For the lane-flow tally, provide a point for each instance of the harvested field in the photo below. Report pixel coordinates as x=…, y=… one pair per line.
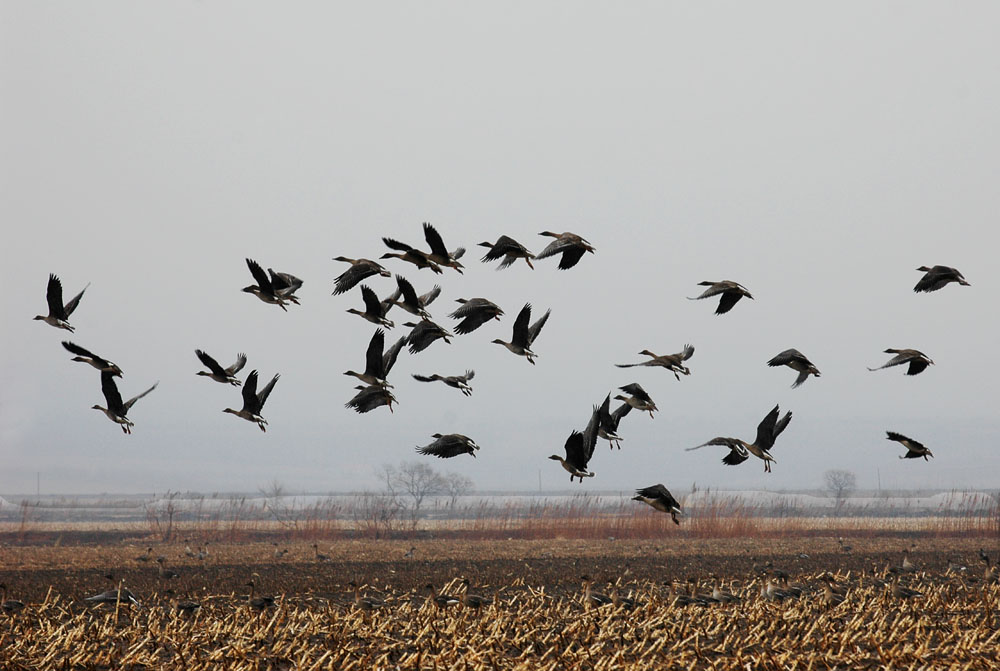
x=537, y=618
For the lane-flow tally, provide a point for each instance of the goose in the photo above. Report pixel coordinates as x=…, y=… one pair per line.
x=937, y=277
x=474, y=312
x=590, y=597
x=319, y=555
x=772, y=592
x=285, y=285
x=901, y=592
x=460, y=382
x=731, y=293
x=439, y=253
x=524, y=336
x=359, y=270
x=660, y=498
x=907, y=566
x=916, y=359
x=609, y=422
x=410, y=254
x=217, y=372
x=164, y=572
x=371, y=397
x=679, y=598
x=767, y=432
x=914, y=449
x=259, y=603
x=415, y=305
x=424, y=333
x=365, y=603
x=472, y=600
x=579, y=449
x=278, y=552
x=375, y=310
x=441, y=600
x=123, y=596
x=797, y=361
x=253, y=402
x=570, y=245
x=990, y=573
x=619, y=601
x=9, y=606
x=831, y=596
x=117, y=410
x=846, y=549
x=86, y=356
x=721, y=595
x=377, y=363
x=449, y=445
x=508, y=250
x=184, y=607
x=702, y=596
x=264, y=289
x=58, y=311
x=145, y=557
x=637, y=398
x=672, y=362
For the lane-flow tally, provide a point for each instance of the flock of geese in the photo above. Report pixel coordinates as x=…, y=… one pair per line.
x=279, y=289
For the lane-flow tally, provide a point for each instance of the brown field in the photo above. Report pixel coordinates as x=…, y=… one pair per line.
x=537, y=619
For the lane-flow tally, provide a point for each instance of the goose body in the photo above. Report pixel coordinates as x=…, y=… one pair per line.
x=460, y=382
x=938, y=277
x=660, y=498
x=579, y=449
x=378, y=363
x=610, y=420
x=474, y=312
x=59, y=312
x=914, y=449
x=637, y=398
x=375, y=310
x=411, y=302
x=439, y=253
x=88, y=357
x=524, y=336
x=672, y=362
x=797, y=361
x=570, y=245
x=253, y=402
x=404, y=252
x=117, y=409
x=508, y=250
x=730, y=292
x=217, y=372
x=916, y=359
x=359, y=270
x=449, y=445
x=265, y=289
x=423, y=333
x=371, y=397
x=739, y=450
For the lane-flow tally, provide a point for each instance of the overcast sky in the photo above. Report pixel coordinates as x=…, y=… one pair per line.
x=816, y=154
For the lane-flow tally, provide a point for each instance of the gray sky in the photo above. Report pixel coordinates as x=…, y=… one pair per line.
x=816, y=154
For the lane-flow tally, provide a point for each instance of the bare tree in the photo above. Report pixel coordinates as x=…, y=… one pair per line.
x=456, y=485
x=413, y=479
x=840, y=484
x=376, y=513
x=274, y=503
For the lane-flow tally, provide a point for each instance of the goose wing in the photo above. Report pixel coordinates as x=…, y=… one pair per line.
x=284, y=282
x=373, y=305
x=571, y=256
x=536, y=328
x=129, y=403
x=521, y=336
x=398, y=246
x=428, y=298
x=111, y=394
x=211, y=363
x=53, y=296
x=661, y=493
x=433, y=239
x=450, y=445
x=250, y=392
x=79, y=351
x=635, y=389
x=733, y=444
x=575, y=454
x=787, y=357
x=620, y=412
x=900, y=358
x=70, y=307
x=685, y=353
x=357, y=272
x=917, y=365
x=259, y=276
x=469, y=374
x=714, y=289
x=265, y=392
x=558, y=246
x=390, y=356
x=591, y=432
x=241, y=360
x=729, y=298
x=906, y=442
x=407, y=292
x=425, y=378
x=373, y=356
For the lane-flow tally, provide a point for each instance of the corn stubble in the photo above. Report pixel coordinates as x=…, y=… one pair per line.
x=953, y=625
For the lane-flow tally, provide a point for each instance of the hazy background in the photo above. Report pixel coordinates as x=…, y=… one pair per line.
x=816, y=154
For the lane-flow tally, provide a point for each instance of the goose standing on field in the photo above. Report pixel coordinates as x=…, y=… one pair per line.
x=637, y=398
x=319, y=555
x=217, y=372
x=117, y=410
x=474, y=312
x=797, y=361
x=767, y=432
x=590, y=597
x=253, y=402
x=424, y=333
x=508, y=250
x=377, y=364
x=441, y=600
x=570, y=245
x=460, y=382
x=365, y=603
x=124, y=597
x=579, y=449
x=415, y=305
x=937, y=277
x=916, y=359
x=439, y=253
x=375, y=310
x=731, y=292
x=672, y=362
x=371, y=397
x=914, y=450
x=259, y=603
x=58, y=311
x=472, y=600
x=9, y=606
x=359, y=270
x=409, y=254
x=264, y=289
x=660, y=498
x=524, y=336
x=449, y=445
x=610, y=420
x=86, y=356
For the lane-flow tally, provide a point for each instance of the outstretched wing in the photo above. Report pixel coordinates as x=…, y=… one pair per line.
x=445, y=447
x=71, y=306
x=765, y=430
x=686, y=353
x=250, y=392
x=575, y=454
x=590, y=433
x=424, y=378
x=406, y=290
x=428, y=298
x=635, y=389
x=397, y=245
x=570, y=257
x=373, y=356
x=210, y=363
x=79, y=351
x=259, y=276
x=732, y=443
x=521, y=333
x=728, y=300
x=916, y=366
x=714, y=289
x=537, y=326
x=111, y=395
x=129, y=403
x=895, y=361
x=241, y=360
x=433, y=239
x=787, y=357
x=389, y=358
x=53, y=296
x=265, y=392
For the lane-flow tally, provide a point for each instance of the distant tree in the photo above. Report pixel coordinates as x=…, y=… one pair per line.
x=840, y=484
x=456, y=485
x=415, y=480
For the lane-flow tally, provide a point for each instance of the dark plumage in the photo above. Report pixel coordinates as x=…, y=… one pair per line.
x=375, y=310
x=412, y=303
x=731, y=293
x=371, y=397
x=267, y=291
x=637, y=398
x=672, y=362
x=86, y=356
x=524, y=336
x=767, y=432
x=914, y=449
x=474, y=312
x=508, y=250
x=117, y=410
x=439, y=253
x=253, y=402
x=579, y=449
x=359, y=270
x=660, y=498
x=916, y=359
x=609, y=421
x=423, y=334
x=409, y=254
x=217, y=372
x=797, y=361
x=460, y=382
x=377, y=364
x=449, y=445
x=570, y=245
x=937, y=277
x=59, y=312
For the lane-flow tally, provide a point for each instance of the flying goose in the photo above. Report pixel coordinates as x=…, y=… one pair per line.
x=449, y=445
x=672, y=362
x=9, y=606
x=439, y=253
x=253, y=402
x=916, y=359
x=660, y=498
x=637, y=398
x=580, y=448
x=914, y=450
x=460, y=382
x=377, y=364
x=285, y=285
x=524, y=336
x=217, y=372
x=609, y=422
x=937, y=277
x=58, y=312
x=375, y=310
x=508, y=250
x=117, y=410
x=415, y=305
x=409, y=254
x=371, y=397
x=423, y=334
x=474, y=312
x=797, y=361
x=86, y=356
x=767, y=432
x=731, y=292
x=359, y=270
x=264, y=289
x=570, y=245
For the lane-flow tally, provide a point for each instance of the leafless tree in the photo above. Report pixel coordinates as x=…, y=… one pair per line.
x=376, y=513
x=415, y=480
x=840, y=484
x=456, y=485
